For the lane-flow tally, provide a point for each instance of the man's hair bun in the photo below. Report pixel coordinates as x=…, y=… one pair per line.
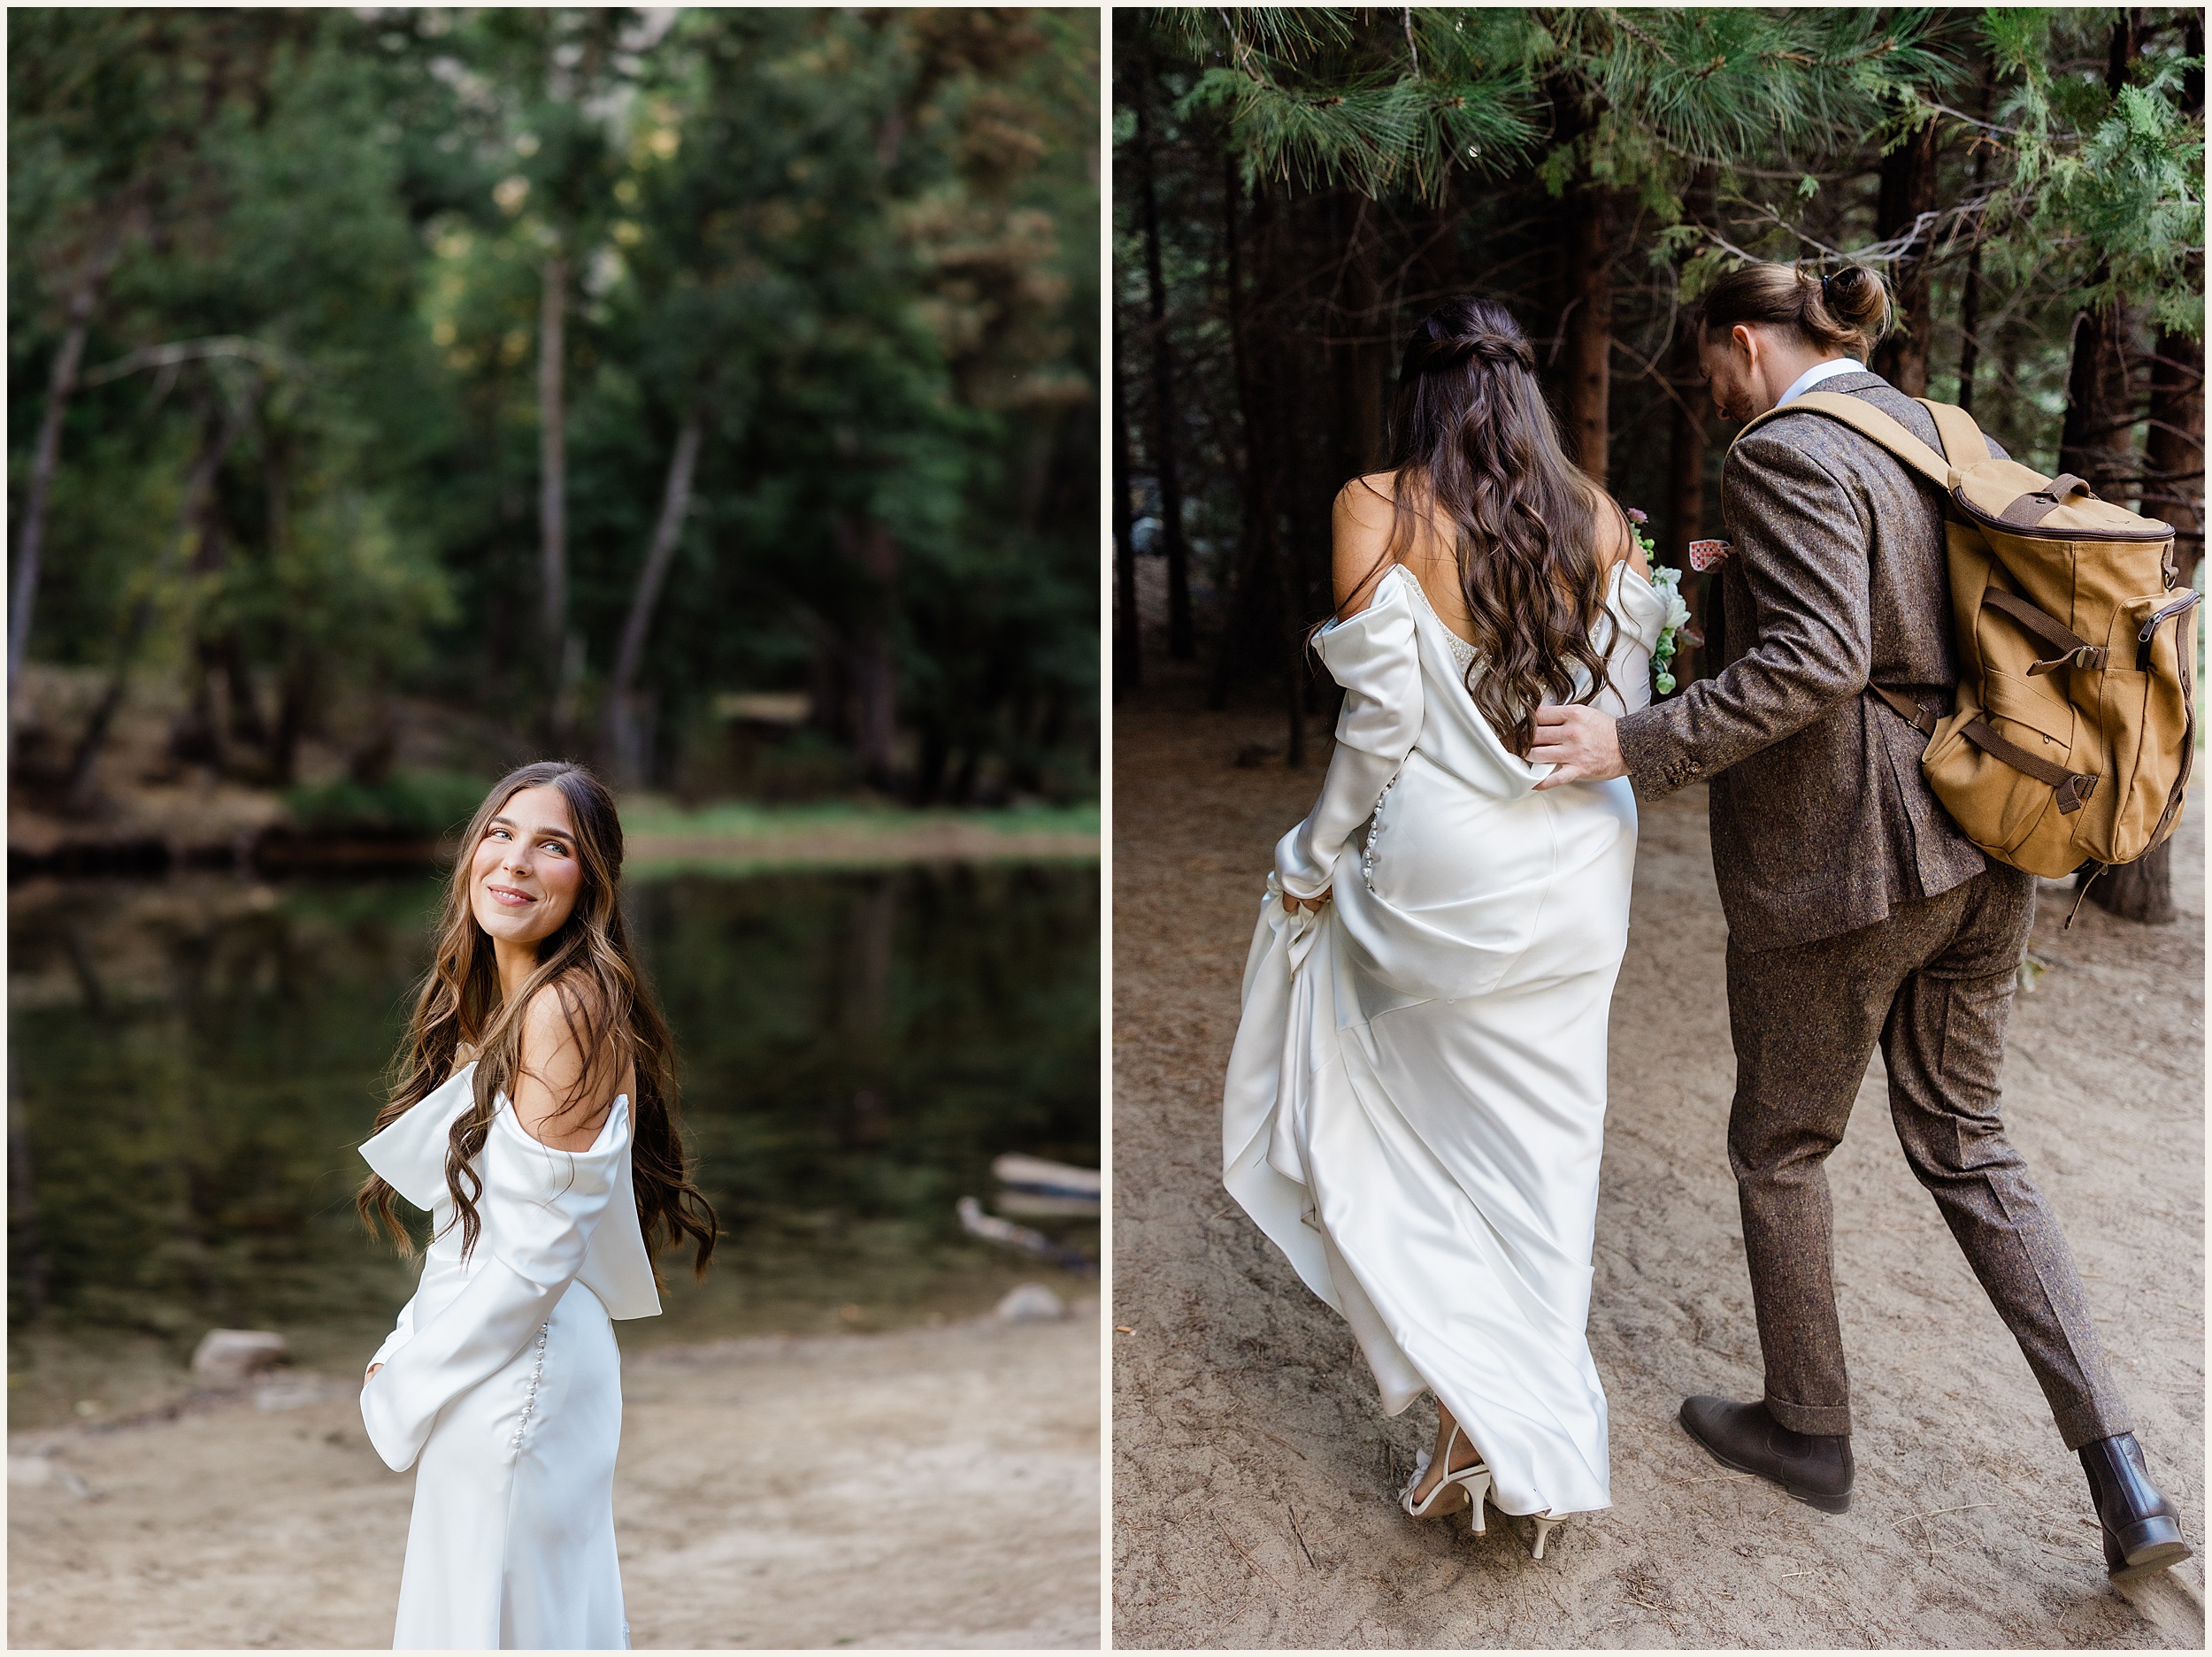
x=1846, y=310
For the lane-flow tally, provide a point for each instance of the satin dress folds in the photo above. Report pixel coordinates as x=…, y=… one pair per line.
x=1416, y=1101
x=502, y=1385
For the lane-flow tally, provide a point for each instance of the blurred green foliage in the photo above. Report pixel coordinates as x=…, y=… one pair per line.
x=857, y=248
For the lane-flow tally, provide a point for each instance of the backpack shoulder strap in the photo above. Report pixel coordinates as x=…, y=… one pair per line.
x=1963, y=439
x=1869, y=423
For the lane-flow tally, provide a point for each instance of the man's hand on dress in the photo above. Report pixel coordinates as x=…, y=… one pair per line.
x=1292, y=902
x=1582, y=742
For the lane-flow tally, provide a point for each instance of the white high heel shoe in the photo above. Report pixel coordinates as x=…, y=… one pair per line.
x=1544, y=1528
x=1473, y=1482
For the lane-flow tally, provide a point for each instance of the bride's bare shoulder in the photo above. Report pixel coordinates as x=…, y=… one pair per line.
x=1363, y=523
x=1616, y=540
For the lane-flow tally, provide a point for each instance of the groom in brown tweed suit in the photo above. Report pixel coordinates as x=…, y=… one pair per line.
x=1858, y=916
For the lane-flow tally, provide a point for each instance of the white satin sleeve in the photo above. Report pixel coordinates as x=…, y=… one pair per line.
x=403, y=1331
x=1637, y=611
x=1376, y=656
x=540, y=1207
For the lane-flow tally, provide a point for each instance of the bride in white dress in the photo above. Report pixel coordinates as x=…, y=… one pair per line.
x=536, y=1121
x=1414, y=1104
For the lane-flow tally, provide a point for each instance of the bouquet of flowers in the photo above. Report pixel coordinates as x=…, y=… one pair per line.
x=1667, y=582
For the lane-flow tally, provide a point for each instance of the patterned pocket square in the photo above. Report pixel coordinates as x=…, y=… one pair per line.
x=1709, y=555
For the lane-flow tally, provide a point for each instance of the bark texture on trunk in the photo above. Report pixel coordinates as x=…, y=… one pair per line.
x=1589, y=341
x=1686, y=472
x=2097, y=441
x=1182, y=642
x=2174, y=455
x=1128, y=643
x=2173, y=489
x=1907, y=197
x=1256, y=547
x=623, y=725
x=563, y=659
x=1971, y=301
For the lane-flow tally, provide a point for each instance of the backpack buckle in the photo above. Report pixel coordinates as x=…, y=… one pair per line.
x=2073, y=792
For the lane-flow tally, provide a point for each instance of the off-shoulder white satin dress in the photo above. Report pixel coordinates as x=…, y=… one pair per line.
x=1416, y=1101
x=502, y=1385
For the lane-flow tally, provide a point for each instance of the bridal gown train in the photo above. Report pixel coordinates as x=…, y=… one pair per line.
x=503, y=1384
x=1416, y=1101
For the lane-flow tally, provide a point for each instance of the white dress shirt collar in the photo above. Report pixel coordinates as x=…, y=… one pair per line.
x=1819, y=371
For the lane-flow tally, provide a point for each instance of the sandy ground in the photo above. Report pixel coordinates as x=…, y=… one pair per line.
x=1255, y=1478
x=933, y=1488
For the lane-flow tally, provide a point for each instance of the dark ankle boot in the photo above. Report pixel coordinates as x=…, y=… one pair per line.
x=1814, y=1467
x=2142, y=1533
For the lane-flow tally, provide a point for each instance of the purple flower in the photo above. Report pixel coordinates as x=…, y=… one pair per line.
x=1636, y=516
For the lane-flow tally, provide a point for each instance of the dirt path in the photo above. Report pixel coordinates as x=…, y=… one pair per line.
x=1254, y=1477
x=935, y=1488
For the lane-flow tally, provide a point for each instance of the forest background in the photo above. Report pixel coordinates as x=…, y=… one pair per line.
x=1295, y=188
x=397, y=393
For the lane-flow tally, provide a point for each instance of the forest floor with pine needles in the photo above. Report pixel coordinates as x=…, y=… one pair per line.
x=1255, y=1479
x=923, y=1489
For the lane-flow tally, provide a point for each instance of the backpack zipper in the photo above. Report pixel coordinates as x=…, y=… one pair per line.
x=2037, y=533
x=2161, y=617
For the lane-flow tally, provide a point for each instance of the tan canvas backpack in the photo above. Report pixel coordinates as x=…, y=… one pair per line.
x=2075, y=724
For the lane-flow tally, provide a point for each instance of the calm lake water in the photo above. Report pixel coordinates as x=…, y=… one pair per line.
x=193, y=1060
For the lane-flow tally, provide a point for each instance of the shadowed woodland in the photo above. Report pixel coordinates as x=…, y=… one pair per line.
x=1296, y=189
x=594, y=380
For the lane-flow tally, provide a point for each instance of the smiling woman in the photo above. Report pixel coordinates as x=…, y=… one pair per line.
x=535, y=1120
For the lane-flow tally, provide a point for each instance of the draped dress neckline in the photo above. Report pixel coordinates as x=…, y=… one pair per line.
x=409, y=1154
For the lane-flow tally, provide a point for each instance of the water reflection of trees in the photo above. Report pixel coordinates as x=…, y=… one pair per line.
x=192, y=1063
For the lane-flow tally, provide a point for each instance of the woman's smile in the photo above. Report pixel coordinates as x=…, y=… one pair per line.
x=513, y=897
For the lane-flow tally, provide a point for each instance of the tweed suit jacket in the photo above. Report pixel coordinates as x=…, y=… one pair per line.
x=1822, y=821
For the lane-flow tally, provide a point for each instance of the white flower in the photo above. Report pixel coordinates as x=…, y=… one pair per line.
x=1677, y=612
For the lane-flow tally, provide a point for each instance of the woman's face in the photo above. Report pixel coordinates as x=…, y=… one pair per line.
x=525, y=876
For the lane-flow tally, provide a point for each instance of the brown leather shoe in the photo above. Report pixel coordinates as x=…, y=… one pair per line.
x=1814, y=1468
x=2142, y=1533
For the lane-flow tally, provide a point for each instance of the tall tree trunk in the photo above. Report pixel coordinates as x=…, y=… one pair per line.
x=1971, y=301
x=23, y=1246
x=1182, y=643
x=553, y=490
x=623, y=722
x=1128, y=645
x=1357, y=360
x=1908, y=194
x=2174, y=450
x=872, y=674
x=61, y=385
x=1685, y=491
x=2174, y=457
x=193, y=524
x=2097, y=442
x=2173, y=468
x=1589, y=342
x=1256, y=547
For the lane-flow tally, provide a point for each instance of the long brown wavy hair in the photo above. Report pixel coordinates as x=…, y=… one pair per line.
x=1471, y=434
x=605, y=1001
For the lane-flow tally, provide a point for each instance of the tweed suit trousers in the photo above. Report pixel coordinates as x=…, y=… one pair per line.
x=1933, y=985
